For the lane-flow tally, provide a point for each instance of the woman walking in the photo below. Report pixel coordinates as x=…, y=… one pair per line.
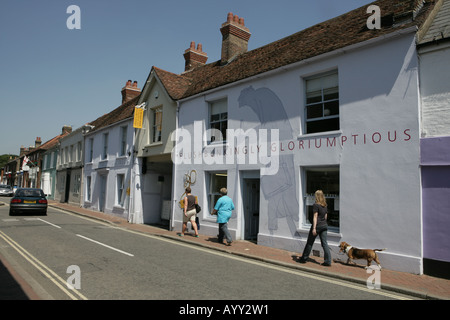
x=189, y=212
x=223, y=209
x=319, y=227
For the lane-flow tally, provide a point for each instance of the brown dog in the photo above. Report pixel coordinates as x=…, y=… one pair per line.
x=355, y=253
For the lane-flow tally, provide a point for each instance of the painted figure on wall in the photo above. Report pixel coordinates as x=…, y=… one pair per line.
x=278, y=189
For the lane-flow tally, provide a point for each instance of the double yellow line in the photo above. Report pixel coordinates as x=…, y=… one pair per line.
x=46, y=271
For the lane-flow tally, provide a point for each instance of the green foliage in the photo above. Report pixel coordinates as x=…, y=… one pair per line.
x=5, y=158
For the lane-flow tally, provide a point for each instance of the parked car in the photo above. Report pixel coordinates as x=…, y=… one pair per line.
x=6, y=191
x=28, y=200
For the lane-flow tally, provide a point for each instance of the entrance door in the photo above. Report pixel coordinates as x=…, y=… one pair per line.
x=67, y=189
x=102, y=196
x=251, y=209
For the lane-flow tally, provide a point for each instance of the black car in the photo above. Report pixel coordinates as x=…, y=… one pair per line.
x=28, y=200
x=6, y=190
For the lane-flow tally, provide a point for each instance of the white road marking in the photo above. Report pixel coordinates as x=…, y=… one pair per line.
x=46, y=271
x=105, y=245
x=54, y=225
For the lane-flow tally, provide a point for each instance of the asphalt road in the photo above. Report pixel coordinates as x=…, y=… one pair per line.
x=104, y=262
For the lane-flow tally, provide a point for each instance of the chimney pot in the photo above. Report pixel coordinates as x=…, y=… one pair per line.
x=130, y=91
x=194, y=57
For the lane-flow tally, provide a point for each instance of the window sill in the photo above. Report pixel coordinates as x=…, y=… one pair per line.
x=153, y=144
x=320, y=134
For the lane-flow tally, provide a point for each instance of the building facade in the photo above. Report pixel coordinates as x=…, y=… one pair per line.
x=434, y=52
x=277, y=123
x=108, y=158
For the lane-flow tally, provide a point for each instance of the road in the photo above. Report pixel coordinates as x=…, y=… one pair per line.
x=104, y=262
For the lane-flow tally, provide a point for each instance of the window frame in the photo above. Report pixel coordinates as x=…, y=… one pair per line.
x=123, y=141
x=333, y=103
x=214, y=195
x=156, y=134
x=222, y=122
x=120, y=189
x=333, y=199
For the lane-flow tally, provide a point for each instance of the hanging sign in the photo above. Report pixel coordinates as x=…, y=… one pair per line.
x=138, y=118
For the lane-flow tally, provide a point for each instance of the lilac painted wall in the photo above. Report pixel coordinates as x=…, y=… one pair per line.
x=435, y=161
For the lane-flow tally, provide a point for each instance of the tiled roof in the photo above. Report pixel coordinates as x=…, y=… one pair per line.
x=345, y=30
x=122, y=112
x=440, y=27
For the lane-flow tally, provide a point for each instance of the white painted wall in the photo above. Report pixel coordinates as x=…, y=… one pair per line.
x=113, y=166
x=435, y=90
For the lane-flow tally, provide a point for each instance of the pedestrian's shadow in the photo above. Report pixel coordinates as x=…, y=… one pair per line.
x=296, y=258
x=352, y=264
x=213, y=239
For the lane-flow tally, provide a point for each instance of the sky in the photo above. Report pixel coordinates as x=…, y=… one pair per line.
x=52, y=75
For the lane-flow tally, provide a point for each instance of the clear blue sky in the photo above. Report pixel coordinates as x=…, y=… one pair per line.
x=51, y=76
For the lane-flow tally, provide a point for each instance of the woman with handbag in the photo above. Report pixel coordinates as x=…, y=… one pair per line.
x=190, y=212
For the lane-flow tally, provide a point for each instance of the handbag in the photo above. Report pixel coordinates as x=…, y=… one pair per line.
x=198, y=208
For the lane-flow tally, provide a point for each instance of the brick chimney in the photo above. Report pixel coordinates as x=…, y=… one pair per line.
x=37, y=142
x=130, y=91
x=194, y=57
x=66, y=129
x=235, y=37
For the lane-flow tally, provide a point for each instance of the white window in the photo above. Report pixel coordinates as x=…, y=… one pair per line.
x=218, y=120
x=216, y=181
x=123, y=140
x=91, y=150
x=157, y=124
x=120, y=199
x=327, y=180
x=79, y=151
x=322, y=103
x=105, y=146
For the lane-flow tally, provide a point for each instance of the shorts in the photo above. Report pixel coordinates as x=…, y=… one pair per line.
x=190, y=215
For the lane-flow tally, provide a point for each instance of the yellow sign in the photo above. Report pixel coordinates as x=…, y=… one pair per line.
x=138, y=118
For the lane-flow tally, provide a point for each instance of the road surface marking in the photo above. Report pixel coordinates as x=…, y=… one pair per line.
x=46, y=271
x=54, y=225
x=105, y=245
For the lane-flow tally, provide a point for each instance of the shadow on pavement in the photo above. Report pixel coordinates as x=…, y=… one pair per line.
x=10, y=289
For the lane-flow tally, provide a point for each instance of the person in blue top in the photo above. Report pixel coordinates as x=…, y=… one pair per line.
x=223, y=209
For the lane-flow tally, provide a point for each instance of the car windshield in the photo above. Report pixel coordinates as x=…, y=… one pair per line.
x=29, y=193
x=5, y=186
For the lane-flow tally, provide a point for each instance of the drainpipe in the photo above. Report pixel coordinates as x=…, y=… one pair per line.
x=174, y=199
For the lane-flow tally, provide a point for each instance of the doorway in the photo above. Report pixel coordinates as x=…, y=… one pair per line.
x=251, y=208
x=102, y=196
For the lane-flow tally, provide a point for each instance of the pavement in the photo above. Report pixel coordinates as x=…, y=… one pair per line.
x=419, y=286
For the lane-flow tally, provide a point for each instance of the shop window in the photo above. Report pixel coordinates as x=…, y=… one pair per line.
x=217, y=181
x=218, y=120
x=327, y=180
x=322, y=103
